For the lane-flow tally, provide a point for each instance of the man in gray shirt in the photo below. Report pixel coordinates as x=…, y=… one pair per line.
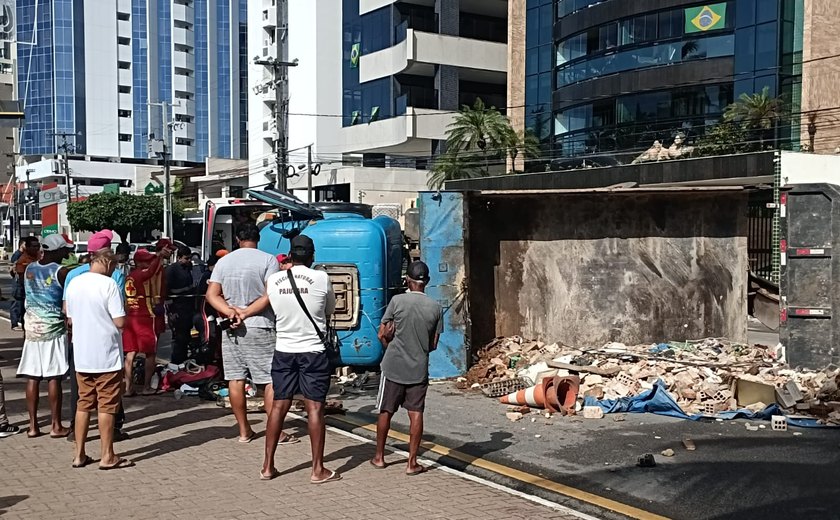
x=238, y=280
x=410, y=329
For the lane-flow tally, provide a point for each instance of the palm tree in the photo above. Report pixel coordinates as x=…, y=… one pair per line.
x=758, y=113
x=480, y=129
x=452, y=166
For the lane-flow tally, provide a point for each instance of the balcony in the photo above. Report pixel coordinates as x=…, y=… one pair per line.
x=124, y=6
x=411, y=134
x=124, y=28
x=185, y=37
x=126, y=125
x=126, y=101
x=269, y=17
x=125, y=77
x=181, y=83
x=124, y=53
x=367, y=6
x=185, y=107
x=184, y=131
x=183, y=60
x=183, y=13
x=421, y=50
x=268, y=131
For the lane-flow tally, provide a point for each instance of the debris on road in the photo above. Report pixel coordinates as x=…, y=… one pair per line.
x=668, y=453
x=689, y=445
x=647, y=461
x=706, y=377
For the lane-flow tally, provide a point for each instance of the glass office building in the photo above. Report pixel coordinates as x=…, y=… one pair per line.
x=612, y=76
x=91, y=69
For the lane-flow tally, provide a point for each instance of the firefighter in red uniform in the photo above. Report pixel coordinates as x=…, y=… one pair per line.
x=144, y=294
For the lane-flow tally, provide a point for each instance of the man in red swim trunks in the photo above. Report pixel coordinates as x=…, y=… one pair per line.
x=144, y=323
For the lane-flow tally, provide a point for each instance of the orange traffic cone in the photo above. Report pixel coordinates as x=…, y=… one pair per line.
x=533, y=397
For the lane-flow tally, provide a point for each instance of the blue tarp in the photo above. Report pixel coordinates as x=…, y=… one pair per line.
x=658, y=401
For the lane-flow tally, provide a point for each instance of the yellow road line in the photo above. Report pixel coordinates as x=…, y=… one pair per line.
x=512, y=473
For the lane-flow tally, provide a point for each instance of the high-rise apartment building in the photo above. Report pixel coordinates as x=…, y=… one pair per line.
x=612, y=76
x=377, y=84
x=91, y=69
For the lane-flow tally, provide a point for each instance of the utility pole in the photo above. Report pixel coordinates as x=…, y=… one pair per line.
x=168, y=125
x=280, y=71
x=309, y=174
x=66, y=148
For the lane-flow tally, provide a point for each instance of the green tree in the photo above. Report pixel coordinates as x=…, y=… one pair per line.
x=759, y=114
x=725, y=138
x=123, y=213
x=479, y=137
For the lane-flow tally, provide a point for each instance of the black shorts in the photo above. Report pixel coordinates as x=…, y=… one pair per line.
x=307, y=374
x=393, y=395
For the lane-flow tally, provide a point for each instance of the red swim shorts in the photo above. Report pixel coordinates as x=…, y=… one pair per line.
x=140, y=335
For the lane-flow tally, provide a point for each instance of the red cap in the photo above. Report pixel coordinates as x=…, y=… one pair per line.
x=282, y=258
x=221, y=252
x=141, y=255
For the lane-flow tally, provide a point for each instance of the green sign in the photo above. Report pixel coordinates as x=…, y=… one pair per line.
x=153, y=189
x=49, y=230
x=355, y=54
x=111, y=188
x=705, y=18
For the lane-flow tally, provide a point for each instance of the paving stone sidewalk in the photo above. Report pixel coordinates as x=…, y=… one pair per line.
x=189, y=465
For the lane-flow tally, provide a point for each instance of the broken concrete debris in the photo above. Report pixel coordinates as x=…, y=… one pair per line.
x=705, y=377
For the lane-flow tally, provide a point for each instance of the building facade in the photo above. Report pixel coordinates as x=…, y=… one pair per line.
x=612, y=76
x=88, y=71
x=377, y=84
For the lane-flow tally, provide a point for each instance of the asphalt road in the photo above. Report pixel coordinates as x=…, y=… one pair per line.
x=733, y=474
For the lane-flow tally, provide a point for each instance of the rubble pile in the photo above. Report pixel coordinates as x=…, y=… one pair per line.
x=704, y=377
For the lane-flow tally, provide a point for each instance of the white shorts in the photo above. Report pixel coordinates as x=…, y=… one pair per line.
x=44, y=359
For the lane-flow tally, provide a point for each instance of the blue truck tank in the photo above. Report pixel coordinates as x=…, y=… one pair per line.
x=364, y=259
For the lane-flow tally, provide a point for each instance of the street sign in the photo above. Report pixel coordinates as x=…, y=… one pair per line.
x=113, y=188
x=153, y=189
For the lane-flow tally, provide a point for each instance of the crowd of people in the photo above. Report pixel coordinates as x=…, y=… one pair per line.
x=91, y=320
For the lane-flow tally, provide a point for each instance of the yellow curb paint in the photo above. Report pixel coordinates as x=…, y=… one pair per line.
x=512, y=473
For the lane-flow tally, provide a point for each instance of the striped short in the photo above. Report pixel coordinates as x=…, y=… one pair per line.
x=248, y=350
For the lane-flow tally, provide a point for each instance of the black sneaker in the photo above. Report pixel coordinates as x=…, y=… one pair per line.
x=7, y=430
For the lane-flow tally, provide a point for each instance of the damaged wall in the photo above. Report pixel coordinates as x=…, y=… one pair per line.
x=586, y=269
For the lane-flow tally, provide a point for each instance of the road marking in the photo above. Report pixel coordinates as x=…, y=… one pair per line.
x=515, y=474
x=452, y=471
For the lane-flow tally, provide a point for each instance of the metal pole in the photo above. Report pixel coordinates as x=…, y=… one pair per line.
x=167, y=192
x=309, y=174
x=66, y=167
x=16, y=236
x=281, y=94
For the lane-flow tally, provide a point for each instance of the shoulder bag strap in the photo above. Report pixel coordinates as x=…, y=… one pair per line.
x=291, y=277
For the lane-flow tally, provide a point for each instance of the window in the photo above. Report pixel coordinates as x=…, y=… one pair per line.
x=124, y=113
x=236, y=192
x=125, y=138
x=124, y=89
x=640, y=29
x=671, y=24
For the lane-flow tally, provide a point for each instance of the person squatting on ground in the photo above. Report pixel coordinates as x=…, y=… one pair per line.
x=97, y=316
x=410, y=329
x=141, y=329
x=101, y=240
x=238, y=280
x=29, y=253
x=44, y=355
x=302, y=300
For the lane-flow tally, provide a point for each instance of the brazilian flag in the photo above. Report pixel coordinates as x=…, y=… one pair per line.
x=705, y=18
x=355, y=54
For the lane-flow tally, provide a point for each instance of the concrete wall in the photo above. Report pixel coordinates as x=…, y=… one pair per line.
x=588, y=269
x=101, y=80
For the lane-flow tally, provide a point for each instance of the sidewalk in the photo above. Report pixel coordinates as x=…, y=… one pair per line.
x=189, y=465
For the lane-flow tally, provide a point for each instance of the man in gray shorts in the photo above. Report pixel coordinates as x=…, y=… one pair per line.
x=410, y=329
x=239, y=279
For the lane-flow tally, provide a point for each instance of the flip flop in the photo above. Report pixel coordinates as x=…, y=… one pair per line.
x=149, y=392
x=274, y=474
x=384, y=466
x=87, y=460
x=121, y=463
x=418, y=472
x=248, y=439
x=28, y=434
x=332, y=478
x=289, y=439
x=53, y=436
